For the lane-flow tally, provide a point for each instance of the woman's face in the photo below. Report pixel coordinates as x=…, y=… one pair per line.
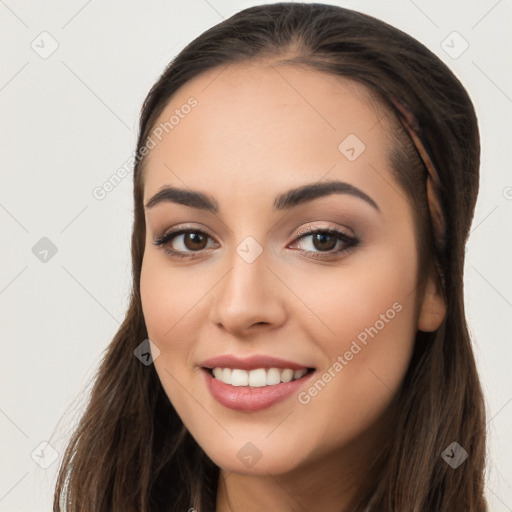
x=249, y=281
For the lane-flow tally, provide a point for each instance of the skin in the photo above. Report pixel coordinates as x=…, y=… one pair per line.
x=258, y=130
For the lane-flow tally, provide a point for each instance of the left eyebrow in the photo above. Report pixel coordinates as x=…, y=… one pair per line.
x=309, y=192
x=284, y=201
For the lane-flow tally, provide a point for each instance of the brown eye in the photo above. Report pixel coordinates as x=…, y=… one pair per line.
x=324, y=241
x=183, y=243
x=194, y=240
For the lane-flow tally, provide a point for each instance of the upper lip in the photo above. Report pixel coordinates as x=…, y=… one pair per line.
x=250, y=363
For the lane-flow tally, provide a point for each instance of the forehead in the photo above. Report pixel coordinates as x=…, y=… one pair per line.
x=261, y=120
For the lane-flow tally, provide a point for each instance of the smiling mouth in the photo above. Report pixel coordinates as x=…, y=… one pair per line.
x=259, y=377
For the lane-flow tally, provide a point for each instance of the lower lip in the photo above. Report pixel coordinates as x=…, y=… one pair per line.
x=245, y=398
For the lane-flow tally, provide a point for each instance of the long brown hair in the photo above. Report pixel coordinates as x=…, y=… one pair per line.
x=131, y=451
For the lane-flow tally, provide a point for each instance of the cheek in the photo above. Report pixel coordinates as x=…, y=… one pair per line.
x=370, y=311
x=367, y=289
x=159, y=292
x=171, y=302
x=167, y=299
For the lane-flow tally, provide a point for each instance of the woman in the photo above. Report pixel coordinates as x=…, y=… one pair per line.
x=313, y=353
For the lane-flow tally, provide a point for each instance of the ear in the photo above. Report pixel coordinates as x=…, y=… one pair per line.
x=433, y=306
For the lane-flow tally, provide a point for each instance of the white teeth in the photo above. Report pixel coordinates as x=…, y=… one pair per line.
x=257, y=378
x=226, y=375
x=299, y=373
x=239, y=378
x=286, y=375
x=273, y=376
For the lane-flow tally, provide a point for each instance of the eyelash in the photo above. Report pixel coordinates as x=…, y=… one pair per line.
x=350, y=241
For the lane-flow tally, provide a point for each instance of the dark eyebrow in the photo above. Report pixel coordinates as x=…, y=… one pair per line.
x=312, y=191
x=285, y=201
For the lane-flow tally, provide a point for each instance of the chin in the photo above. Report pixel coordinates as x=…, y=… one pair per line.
x=254, y=457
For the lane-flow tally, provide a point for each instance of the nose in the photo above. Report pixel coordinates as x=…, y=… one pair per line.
x=249, y=296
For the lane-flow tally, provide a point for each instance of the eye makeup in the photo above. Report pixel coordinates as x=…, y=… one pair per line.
x=342, y=240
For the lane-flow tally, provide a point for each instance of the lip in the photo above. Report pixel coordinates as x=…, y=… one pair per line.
x=249, y=399
x=250, y=363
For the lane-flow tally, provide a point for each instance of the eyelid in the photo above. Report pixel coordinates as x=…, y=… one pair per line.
x=341, y=234
x=314, y=229
x=180, y=229
x=176, y=231
x=303, y=231
x=351, y=241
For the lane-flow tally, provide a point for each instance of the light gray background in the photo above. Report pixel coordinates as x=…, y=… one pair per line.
x=70, y=120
